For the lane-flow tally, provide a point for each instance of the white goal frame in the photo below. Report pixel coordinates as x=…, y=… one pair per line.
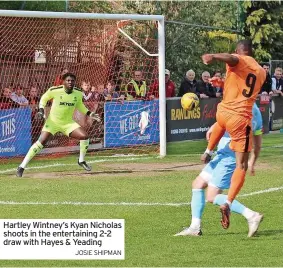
x=161, y=49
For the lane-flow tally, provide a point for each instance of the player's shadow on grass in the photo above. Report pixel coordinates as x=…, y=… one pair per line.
x=269, y=232
x=125, y=171
x=225, y=233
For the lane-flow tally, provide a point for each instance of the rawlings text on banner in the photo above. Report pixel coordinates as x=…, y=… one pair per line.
x=189, y=125
x=15, y=129
x=131, y=123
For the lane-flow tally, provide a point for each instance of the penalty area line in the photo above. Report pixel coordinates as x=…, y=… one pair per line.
x=154, y=204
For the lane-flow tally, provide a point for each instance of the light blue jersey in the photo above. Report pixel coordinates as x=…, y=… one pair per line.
x=218, y=172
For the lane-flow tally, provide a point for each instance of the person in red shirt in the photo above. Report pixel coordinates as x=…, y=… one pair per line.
x=217, y=82
x=169, y=85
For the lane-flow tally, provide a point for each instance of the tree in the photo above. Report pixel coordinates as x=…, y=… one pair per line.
x=263, y=25
x=190, y=31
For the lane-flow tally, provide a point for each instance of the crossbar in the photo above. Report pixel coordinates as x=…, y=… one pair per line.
x=71, y=15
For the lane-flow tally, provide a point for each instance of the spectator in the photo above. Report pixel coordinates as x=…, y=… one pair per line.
x=36, y=125
x=217, y=82
x=109, y=92
x=136, y=88
x=267, y=86
x=87, y=94
x=58, y=80
x=189, y=84
x=100, y=93
x=169, y=87
x=93, y=89
x=11, y=87
x=5, y=100
x=97, y=94
x=33, y=98
x=277, y=82
x=205, y=89
x=18, y=96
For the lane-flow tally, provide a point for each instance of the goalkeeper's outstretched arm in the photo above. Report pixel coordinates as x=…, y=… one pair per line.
x=47, y=96
x=81, y=108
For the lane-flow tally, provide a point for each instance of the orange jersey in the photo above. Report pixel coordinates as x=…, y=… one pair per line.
x=242, y=85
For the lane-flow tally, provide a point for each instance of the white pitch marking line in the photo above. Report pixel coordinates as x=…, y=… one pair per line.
x=94, y=203
x=269, y=190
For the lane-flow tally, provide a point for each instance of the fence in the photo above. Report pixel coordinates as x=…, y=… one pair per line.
x=135, y=128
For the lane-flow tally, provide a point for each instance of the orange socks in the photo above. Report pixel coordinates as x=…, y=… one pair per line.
x=237, y=182
x=215, y=137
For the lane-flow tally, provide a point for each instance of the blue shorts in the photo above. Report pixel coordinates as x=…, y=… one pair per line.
x=218, y=172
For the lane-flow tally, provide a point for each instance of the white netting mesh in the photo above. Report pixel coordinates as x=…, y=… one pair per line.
x=34, y=53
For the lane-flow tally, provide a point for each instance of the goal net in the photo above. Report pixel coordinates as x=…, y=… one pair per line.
x=109, y=58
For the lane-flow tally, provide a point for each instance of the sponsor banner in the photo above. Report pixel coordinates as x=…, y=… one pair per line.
x=263, y=103
x=15, y=132
x=189, y=125
x=131, y=123
x=277, y=113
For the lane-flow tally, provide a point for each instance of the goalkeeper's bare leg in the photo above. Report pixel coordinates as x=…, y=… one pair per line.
x=81, y=135
x=78, y=134
x=34, y=149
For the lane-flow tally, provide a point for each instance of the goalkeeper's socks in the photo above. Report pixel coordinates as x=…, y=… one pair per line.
x=197, y=207
x=83, y=149
x=34, y=149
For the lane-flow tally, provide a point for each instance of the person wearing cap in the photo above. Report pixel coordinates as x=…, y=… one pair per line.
x=169, y=87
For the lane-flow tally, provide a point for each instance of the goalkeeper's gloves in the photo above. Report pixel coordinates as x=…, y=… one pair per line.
x=95, y=116
x=40, y=114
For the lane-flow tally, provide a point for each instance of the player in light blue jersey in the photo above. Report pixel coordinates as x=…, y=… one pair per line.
x=216, y=176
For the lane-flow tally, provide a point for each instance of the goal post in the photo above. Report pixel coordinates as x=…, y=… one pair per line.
x=22, y=57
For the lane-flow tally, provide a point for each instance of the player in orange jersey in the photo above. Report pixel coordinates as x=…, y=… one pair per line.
x=244, y=80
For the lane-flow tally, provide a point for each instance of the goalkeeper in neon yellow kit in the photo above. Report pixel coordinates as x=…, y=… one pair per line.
x=66, y=98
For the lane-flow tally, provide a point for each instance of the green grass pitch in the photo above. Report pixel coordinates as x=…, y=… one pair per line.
x=150, y=229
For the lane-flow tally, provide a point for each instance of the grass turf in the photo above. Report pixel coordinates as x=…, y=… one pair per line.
x=150, y=229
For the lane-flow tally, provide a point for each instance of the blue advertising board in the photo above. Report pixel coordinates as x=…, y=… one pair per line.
x=131, y=123
x=15, y=132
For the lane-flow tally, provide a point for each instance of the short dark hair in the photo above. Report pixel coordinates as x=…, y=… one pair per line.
x=85, y=82
x=19, y=86
x=68, y=74
x=216, y=72
x=111, y=82
x=247, y=45
x=265, y=64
